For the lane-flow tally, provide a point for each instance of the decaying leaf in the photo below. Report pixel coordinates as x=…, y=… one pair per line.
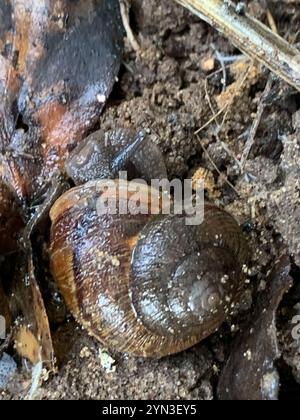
x=58, y=63
x=10, y=219
x=250, y=373
x=33, y=316
x=27, y=345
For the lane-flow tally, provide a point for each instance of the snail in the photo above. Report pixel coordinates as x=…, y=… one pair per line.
x=144, y=284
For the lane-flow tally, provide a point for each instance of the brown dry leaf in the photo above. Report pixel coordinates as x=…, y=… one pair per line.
x=58, y=63
x=27, y=345
x=43, y=332
x=10, y=219
x=29, y=301
x=245, y=75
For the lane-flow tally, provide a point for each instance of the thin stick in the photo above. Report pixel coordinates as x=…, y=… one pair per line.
x=261, y=106
x=272, y=22
x=125, y=6
x=210, y=103
x=256, y=122
x=250, y=36
x=212, y=119
x=215, y=166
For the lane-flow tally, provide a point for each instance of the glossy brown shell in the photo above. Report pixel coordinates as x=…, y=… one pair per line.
x=99, y=263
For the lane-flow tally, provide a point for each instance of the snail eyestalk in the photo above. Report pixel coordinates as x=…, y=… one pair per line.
x=251, y=36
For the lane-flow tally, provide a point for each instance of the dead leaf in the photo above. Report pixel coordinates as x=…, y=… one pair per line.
x=29, y=300
x=58, y=63
x=27, y=345
x=250, y=373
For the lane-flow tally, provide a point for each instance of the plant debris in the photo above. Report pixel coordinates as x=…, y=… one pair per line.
x=251, y=36
x=50, y=96
x=58, y=64
x=255, y=350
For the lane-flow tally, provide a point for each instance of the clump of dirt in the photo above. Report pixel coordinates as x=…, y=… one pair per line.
x=168, y=90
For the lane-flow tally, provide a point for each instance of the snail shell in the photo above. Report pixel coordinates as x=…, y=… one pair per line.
x=145, y=284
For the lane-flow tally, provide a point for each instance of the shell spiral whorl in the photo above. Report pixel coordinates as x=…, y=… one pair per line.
x=145, y=284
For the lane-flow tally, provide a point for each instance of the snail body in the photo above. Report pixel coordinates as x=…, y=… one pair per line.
x=146, y=284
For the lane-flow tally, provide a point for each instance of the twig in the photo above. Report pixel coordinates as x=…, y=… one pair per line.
x=219, y=127
x=261, y=106
x=210, y=103
x=229, y=60
x=225, y=108
x=215, y=166
x=250, y=36
x=256, y=122
x=272, y=22
x=124, y=6
x=212, y=119
x=221, y=61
